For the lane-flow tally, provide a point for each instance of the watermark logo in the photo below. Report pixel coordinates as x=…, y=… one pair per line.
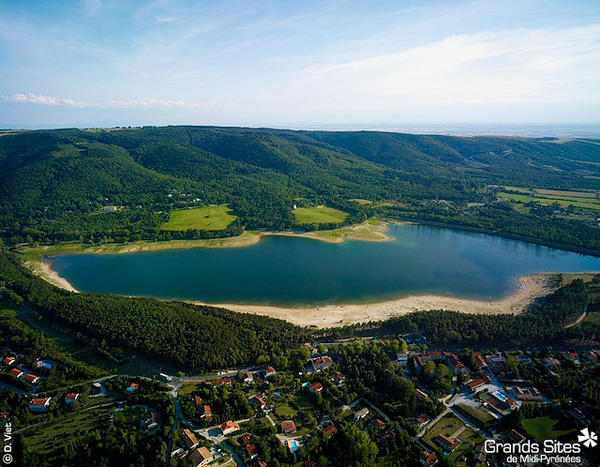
x=7, y=456
x=588, y=438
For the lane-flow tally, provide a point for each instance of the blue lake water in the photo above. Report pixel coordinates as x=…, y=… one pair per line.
x=299, y=271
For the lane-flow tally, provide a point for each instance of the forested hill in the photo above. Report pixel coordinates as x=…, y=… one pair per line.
x=55, y=185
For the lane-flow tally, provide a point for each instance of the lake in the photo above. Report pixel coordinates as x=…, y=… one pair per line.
x=290, y=271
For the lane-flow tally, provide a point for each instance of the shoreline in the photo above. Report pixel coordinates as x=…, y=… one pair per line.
x=365, y=231
x=531, y=288
x=43, y=269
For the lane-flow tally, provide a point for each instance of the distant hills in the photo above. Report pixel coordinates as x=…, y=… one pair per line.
x=55, y=184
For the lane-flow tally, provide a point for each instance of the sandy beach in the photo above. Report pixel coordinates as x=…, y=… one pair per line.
x=530, y=288
x=43, y=269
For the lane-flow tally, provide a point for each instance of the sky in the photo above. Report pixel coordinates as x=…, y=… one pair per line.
x=297, y=64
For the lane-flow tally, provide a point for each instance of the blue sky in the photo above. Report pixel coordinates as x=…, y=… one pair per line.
x=297, y=64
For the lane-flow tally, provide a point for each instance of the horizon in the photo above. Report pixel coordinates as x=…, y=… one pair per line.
x=101, y=63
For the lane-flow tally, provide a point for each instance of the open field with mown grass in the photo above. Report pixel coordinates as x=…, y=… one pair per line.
x=319, y=215
x=205, y=218
x=550, y=427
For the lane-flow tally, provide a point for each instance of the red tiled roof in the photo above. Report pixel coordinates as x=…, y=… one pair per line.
x=288, y=426
x=41, y=401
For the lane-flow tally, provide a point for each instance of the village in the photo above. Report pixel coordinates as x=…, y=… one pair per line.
x=444, y=406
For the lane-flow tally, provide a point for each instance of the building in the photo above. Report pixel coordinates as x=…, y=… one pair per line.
x=259, y=463
x=196, y=400
x=421, y=395
x=322, y=363
x=269, y=371
x=474, y=384
x=362, y=413
x=434, y=355
x=421, y=420
x=150, y=421
x=287, y=427
x=133, y=387
x=71, y=397
x=258, y=400
x=528, y=394
x=188, y=439
x=16, y=372
x=480, y=361
x=573, y=356
x=251, y=451
x=329, y=431
x=480, y=454
x=219, y=383
x=39, y=405
x=515, y=436
x=9, y=361
x=337, y=377
x=418, y=364
x=315, y=387
x=550, y=362
x=402, y=359
x=428, y=458
x=245, y=439
x=248, y=378
x=31, y=378
x=201, y=456
x=205, y=412
x=446, y=443
x=229, y=427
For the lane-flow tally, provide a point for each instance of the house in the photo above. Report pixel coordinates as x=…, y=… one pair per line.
x=251, y=451
x=4, y=415
x=376, y=423
x=287, y=427
x=577, y=414
x=219, y=383
x=196, y=400
x=528, y=394
x=31, y=378
x=573, y=356
x=480, y=361
x=188, y=439
x=259, y=463
x=402, y=359
x=591, y=355
x=322, y=363
x=515, y=436
x=434, y=355
x=201, y=456
x=16, y=372
x=71, y=397
x=337, y=378
x=480, y=455
x=362, y=413
x=258, y=400
x=245, y=439
x=315, y=387
x=205, y=412
x=550, y=362
x=446, y=443
x=270, y=371
x=456, y=365
x=418, y=364
x=39, y=405
x=421, y=420
x=330, y=431
x=248, y=378
x=428, y=458
x=150, y=421
x=133, y=387
x=9, y=361
x=229, y=427
x=421, y=395
x=474, y=384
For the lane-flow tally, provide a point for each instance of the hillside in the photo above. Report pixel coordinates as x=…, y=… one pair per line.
x=122, y=184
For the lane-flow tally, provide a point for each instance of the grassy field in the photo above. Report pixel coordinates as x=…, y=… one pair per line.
x=580, y=199
x=549, y=427
x=449, y=425
x=55, y=435
x=206, y=218
x=477, y=413
x=319, y=215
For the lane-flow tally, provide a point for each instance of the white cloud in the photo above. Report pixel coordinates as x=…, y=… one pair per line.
x=31, y=98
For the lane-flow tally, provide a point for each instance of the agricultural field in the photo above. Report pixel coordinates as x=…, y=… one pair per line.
x=586, y=200
x=319, y=215
x=205, y=218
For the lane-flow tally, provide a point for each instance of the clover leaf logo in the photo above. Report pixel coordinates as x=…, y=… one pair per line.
x=588, y=438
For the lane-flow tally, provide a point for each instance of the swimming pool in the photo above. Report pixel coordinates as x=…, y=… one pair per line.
x=501, y=396
x=293, y=446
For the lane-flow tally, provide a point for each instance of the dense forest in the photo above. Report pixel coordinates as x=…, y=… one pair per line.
x=56, y=185
x=189, y=337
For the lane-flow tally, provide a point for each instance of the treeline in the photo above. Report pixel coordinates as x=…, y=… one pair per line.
x=187, y=336
x=54, y=184
x=544, y=324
